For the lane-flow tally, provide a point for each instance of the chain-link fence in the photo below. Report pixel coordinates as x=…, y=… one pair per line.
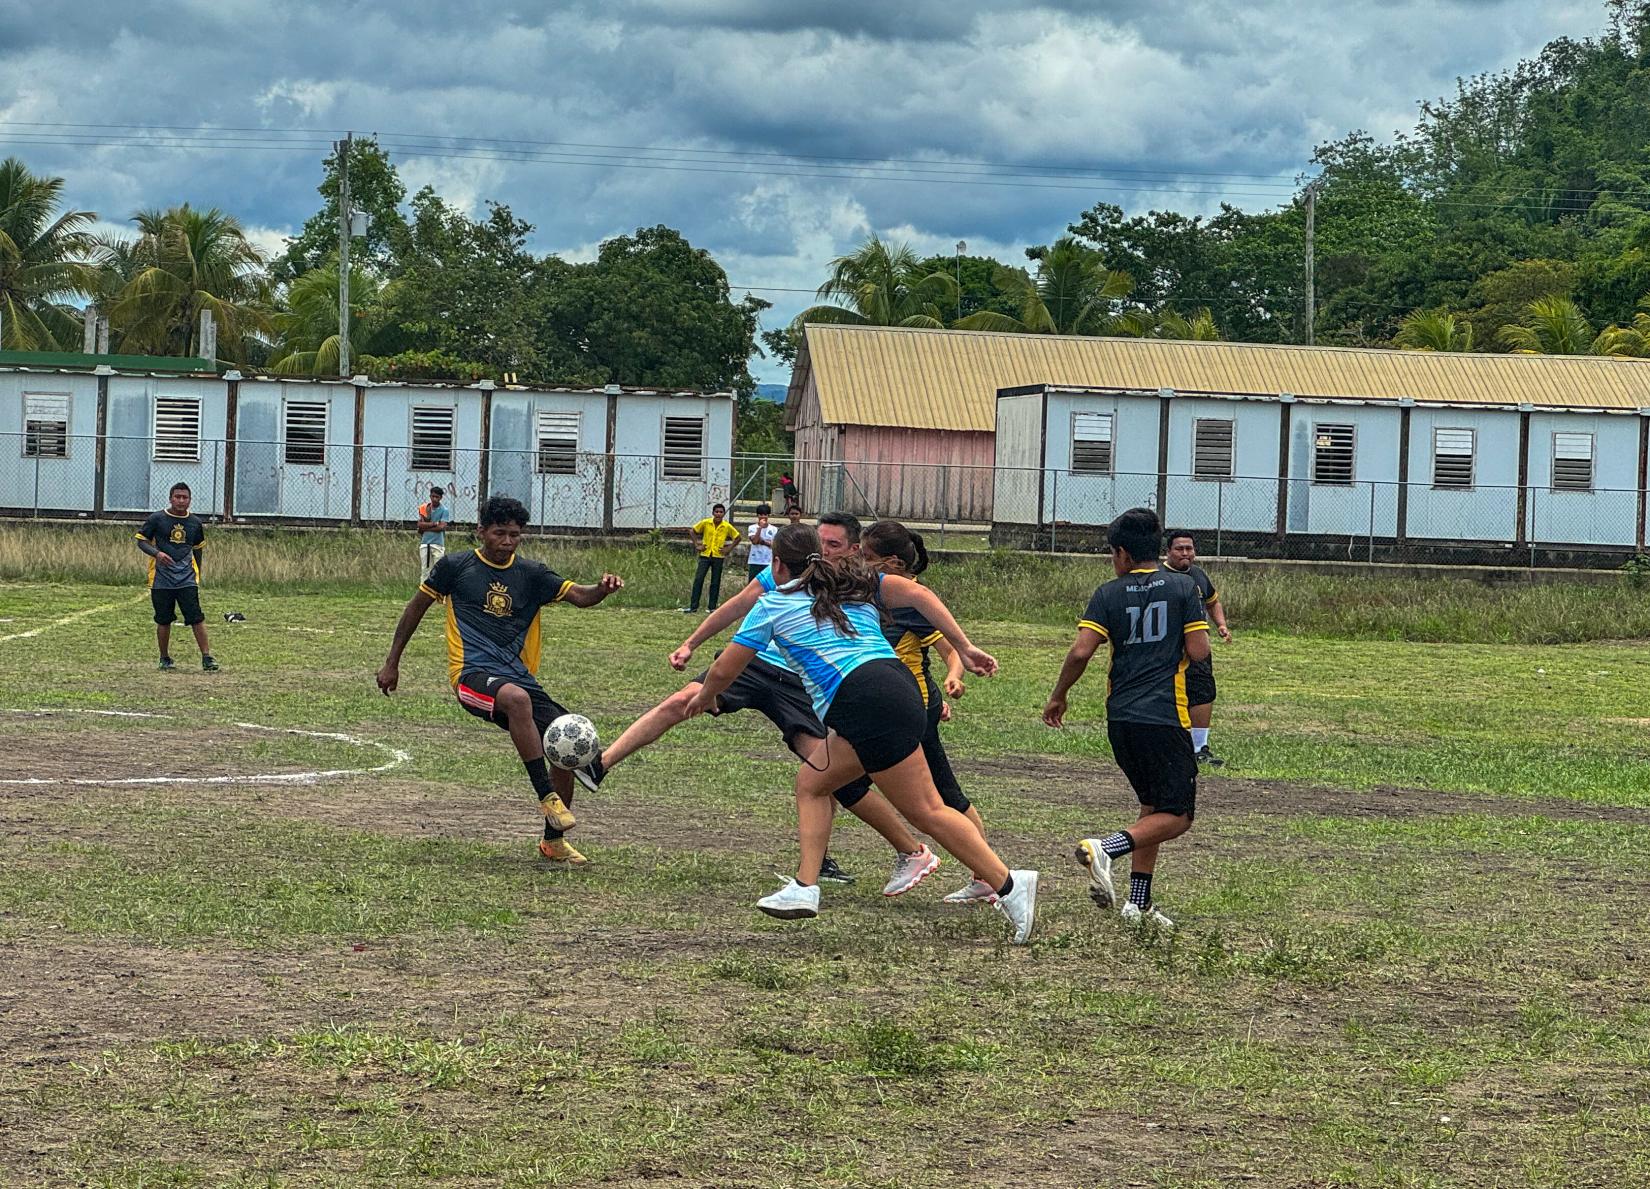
x=1054, y=510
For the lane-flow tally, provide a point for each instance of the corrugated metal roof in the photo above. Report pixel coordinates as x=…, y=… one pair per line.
x=948, y=379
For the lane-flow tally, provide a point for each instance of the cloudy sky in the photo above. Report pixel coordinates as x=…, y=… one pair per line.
x=776, y=133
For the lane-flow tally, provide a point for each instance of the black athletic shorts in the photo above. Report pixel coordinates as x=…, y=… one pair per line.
x=168, y=603
x=780, y=695
x=878, y=709
x=1200, y=682
x=476, y=689
x=1158, y=760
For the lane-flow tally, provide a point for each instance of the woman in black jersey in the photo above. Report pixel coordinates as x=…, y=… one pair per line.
x=894, y=549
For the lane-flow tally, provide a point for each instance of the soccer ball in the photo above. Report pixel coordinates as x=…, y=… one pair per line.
x=570, y=741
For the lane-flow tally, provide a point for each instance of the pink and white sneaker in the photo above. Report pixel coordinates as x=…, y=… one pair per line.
x=977, y=892
x=909, y=871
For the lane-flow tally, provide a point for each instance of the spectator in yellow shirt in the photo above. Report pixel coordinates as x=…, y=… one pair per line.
x=716, y=536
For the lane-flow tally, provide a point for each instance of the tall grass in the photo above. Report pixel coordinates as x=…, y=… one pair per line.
x=993, y=586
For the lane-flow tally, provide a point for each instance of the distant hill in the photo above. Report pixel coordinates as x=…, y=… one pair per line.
x=773, y=392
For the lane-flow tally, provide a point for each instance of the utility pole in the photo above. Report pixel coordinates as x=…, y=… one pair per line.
x=343, y=147
x=1311, y=220
x=962, y=246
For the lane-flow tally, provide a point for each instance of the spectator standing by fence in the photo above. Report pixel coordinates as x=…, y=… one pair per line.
x=787, y=488
x=716, y=537
x=433, y=519
x=760, y=540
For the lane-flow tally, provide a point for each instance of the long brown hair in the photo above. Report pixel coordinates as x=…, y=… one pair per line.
x=831, y=583
x=890, y=538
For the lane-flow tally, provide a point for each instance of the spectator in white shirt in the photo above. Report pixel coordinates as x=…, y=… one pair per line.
x=760, y=540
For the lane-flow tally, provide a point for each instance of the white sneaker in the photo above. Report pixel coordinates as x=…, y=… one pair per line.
x=791, y=902
x=974, y=893
x=1098, y=863
x=1133, y=914
x=909, y=871
x=1020, y=905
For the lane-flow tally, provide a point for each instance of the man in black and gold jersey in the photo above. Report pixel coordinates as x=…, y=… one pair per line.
x=1153, y=620
x=173, y=541
x=1200, y=675
x=494, y=600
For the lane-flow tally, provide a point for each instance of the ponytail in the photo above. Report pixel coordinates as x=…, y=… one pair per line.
x=832, y=584
x=890, y=538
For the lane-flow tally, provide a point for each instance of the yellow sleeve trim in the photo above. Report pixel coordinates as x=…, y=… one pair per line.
x=1094, y=627
x=1214, y=597
x=931, y=639
x=566, y=585
x=1197, y=625
x=426, y=589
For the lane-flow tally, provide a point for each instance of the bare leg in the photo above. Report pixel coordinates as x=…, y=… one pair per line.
x=910, y=787
x=814, y=813
x=200, y=638
x=1151, y=830
x=524, y=732
x=1200, y=715
x=651, y=726
x=163, y=637
x=973, y=815
x=873, y=808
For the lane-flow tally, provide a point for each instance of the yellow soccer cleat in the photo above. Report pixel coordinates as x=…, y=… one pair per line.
x=561, y=851
x=557, y=814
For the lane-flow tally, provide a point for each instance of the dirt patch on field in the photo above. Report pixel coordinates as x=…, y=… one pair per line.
x=1063, y=782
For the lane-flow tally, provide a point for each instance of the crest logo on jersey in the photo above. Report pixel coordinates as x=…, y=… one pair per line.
x=498, y=601
x=179, y=537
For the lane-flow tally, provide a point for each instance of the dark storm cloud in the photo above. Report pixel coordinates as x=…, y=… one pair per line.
x=1188, y=90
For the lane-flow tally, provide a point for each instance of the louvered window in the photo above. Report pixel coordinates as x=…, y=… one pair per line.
x=306, y=432
x=177, y=429
x=1452, y=457
x=1572, y=462
x=1332, y=451
x=1212, y=448
x=558, y=441
x=1091, y=452
x=432, y=438
x=684, y=452
x=45, y=426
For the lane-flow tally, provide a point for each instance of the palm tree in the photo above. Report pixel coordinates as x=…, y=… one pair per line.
x=1167, y=324
x=1556, y=326
x=1072, y=293
x=1434, y=330
x=42, y=261
x=192, y=260
x=307, y=328
x=883, y=285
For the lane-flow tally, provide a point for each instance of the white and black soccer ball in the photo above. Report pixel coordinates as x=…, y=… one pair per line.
x=570, y=741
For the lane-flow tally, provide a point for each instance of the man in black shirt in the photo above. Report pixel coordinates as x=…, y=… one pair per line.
x=494, y=600
x=1200, y=675
x=1153, y=620
x=173, y=541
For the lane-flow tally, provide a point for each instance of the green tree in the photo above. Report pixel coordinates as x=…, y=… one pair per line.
x=43, y=252
x=1073, y=293
x=1556, y=326
x=978, y=285
x=1434, y=330
x=306, y=327
x=1164, y=323
x=189, y=260
x=883, y=284
x=653, y=309
x=1501, y=298
x=376, y=190
x=759, y=427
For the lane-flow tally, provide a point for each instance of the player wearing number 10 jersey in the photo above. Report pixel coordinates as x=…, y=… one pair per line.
x=1153, y=619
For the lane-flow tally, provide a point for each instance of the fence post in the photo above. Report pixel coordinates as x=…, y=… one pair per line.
x=1521, y=526
x=217, y=472
x=945, y=500
x=1372, y=521
x=36, y=482
x=655, y=486
x=1220, y=515
x=1054, y=517
x=384, y=489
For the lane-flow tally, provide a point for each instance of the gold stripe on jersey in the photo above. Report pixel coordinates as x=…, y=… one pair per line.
x=424, y=588
x=1180, y=693
x=1197, y=625
x=455, y=645
x=532, y=643
x=1093, y=627
x=909, y=650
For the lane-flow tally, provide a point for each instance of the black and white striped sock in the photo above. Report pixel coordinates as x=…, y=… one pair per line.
x=1140, y=889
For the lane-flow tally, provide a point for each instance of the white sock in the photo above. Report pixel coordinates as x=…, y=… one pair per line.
x=1200, y=738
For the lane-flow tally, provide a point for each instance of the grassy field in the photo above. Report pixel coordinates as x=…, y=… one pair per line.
x=1412, y=949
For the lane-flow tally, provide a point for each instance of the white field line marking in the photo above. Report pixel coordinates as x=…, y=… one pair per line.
x=397, y=757
x=57, y=623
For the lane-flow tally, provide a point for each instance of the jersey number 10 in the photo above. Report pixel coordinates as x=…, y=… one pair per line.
x=1149, y=624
